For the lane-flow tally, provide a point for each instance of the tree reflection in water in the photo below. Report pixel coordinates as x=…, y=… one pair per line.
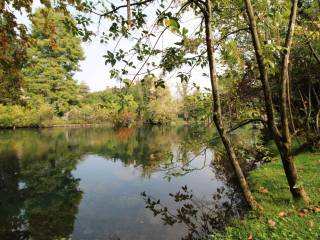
x=40, y=197
x=201, y=217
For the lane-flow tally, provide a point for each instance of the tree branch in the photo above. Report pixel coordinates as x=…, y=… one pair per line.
x=115, y=9
x=230, y=33
x=241, y=124
x=245, y=122
x=314, y=54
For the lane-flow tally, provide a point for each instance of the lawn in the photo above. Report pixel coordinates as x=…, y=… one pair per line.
x=282, y=218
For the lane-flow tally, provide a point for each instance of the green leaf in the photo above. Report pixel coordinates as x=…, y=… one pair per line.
x=172, y=23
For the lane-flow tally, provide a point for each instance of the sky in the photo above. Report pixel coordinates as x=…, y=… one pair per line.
x=95, y=73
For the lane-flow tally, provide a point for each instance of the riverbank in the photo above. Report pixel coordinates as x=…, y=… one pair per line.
x=282, y=218
x=86, y=125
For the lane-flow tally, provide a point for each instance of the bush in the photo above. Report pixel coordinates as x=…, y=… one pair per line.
x=88, y=115
x=124, y=119
x=17, y=116
x=45, y=114
x=161, y=111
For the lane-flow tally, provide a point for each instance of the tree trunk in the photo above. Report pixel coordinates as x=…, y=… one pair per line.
x=318, y=122
x=283, y=140
x=128, y=14
x=292, y=127
x=217, y=116
x=263, y=72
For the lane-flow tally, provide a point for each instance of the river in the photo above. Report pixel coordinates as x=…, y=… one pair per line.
x=87, y=183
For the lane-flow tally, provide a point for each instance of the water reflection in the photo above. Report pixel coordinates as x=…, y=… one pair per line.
x=200, y=216
x=39, y=197
x=86, y=183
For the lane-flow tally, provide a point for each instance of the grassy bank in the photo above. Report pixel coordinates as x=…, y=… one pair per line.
x=282, y=218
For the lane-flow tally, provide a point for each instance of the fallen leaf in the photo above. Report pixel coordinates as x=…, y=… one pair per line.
x=250, y=237
x=263, y=190
x=303, y=212
x=311, y=223
x=317, y=209
x=282, y=214
x=271, y=223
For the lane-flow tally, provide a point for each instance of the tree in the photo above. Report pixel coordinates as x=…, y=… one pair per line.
x=157, y=105
x=84, y=89
x=13, y=43
x=53, y=59
x=217, y=117
x=283, y=138
x=196, y=106
x=304, y=69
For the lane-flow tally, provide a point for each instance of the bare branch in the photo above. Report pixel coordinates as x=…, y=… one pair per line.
x=128, y=6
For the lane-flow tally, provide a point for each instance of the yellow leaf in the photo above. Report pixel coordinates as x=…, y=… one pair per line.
x=263, y=190
x=282, y=214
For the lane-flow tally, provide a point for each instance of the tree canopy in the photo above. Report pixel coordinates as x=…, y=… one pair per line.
x=53, y=58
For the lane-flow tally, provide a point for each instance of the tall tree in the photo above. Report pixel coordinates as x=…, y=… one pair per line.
x=53, y=59
x=217, y=116
x=14, y=41
x=283, y=136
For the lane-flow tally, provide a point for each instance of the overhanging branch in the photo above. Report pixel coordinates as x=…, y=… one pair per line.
x=116, y=9
x=245, y=122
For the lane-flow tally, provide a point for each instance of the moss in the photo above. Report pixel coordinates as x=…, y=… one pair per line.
x=291, y=219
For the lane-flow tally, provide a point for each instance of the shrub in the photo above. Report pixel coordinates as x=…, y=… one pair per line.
x=161, y=111
x=88, y=114
x=45, y=114
x=17, y=116
x=124, y=119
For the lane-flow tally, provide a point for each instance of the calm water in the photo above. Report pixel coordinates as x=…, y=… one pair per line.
x=87, y=183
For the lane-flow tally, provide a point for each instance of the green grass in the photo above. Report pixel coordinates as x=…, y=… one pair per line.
x=296, y=224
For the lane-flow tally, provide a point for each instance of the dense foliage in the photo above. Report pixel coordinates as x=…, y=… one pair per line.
x=53, y=58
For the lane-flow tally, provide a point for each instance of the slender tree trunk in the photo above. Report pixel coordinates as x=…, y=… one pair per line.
x=309, y=105
x=305, y=107
x=283, y=140
x=314, y=54
x=318, y=122
x=217, y=116
x=293, y=128
x=128, y=14
x=287, y=160
x=263, y=72
x=316, y=96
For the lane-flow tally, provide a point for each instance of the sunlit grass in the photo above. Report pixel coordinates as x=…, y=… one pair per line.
x=290, y=220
